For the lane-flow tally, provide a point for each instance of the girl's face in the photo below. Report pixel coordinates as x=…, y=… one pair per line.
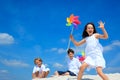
x=90, y=29
x=38, y=63
x=71, y=55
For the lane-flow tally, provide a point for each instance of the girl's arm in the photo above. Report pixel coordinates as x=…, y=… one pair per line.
x=105, y=34
x=77, y=43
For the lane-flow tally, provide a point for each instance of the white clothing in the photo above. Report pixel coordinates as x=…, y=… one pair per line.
x=74, y=65
x=93, y=50
x=40, y=69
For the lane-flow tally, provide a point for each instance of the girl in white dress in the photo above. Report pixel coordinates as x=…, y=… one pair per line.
x=93, y=50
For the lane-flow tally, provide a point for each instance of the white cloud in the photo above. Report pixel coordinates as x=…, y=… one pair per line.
x=115, y=61
x=57, y=65
x=63, y=40
x=114, y=44
x=53, y=49
x=112, y=69
x=3, y=71
x=61, y=50
x=57, y=50
x=5, y=38
x=14, y=63
x=107, y=48
x=4, y=75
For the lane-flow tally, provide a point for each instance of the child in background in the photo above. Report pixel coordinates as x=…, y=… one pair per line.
x=73, y=65
x=39, y=70
x=93, y=50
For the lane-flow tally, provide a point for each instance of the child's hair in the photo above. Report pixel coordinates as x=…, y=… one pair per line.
x=37, y=59
x=85, y=34
x=70, y=50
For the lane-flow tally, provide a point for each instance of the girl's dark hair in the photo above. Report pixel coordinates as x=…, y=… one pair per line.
x=70, y=50
x=85, y=34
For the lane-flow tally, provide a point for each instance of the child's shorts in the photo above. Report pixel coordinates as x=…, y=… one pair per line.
x=70, y=73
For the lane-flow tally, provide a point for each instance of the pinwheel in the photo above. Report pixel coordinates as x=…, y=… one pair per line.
x=73, y=22
x=81, y=56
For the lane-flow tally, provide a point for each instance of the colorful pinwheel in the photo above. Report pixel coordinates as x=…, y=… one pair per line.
x=81, y=56
x=73, y=20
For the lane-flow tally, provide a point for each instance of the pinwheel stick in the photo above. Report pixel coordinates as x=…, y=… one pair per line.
x=69, y=38
x=72, y=21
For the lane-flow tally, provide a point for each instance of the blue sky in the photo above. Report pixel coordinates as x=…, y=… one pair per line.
x=36, y=28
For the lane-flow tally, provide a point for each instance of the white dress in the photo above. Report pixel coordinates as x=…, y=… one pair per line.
x=93, y=50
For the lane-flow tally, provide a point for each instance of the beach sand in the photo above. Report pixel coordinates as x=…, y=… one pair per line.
x=115, y=76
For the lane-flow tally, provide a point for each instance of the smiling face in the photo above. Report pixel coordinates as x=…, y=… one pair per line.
x=38, y=62
x=90, y=29
x=71, y=55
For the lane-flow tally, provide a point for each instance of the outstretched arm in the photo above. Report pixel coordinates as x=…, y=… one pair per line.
x=105, y=34
x=75, y=42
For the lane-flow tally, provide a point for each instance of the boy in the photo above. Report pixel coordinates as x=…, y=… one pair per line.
x=73, y=65
x=39, y=70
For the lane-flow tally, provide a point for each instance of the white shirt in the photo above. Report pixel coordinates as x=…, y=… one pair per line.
x=74, y=65
x=40, y=69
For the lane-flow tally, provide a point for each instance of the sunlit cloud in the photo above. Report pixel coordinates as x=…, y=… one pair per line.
x=114, y=44
x=53, y=49
x=5, y=74
x=3, y=71
x=14, y=63
x=115, y=61
x=112, y=69
x=5, y=38
x=57, y=65
x=61, y=50
x=56, y=50
x=63, y=40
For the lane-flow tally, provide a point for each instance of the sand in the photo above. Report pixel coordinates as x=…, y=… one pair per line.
x=115, y=76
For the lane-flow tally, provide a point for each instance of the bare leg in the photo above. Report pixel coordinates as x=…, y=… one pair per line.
x=35, y=75
x=81, y=70
x=101, y=74
x=65, y=74
x=46, y=73
x=42, y=74
x=56, y=73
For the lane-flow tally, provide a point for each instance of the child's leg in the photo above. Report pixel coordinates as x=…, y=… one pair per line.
x=56, y=73
x=42, y=74
x=35, y=75
x=65, y=74
x=81, y=70
x=46, y=73
x=101, y=74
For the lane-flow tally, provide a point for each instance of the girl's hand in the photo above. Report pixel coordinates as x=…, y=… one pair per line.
x=101, y=24
x=71, y=37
